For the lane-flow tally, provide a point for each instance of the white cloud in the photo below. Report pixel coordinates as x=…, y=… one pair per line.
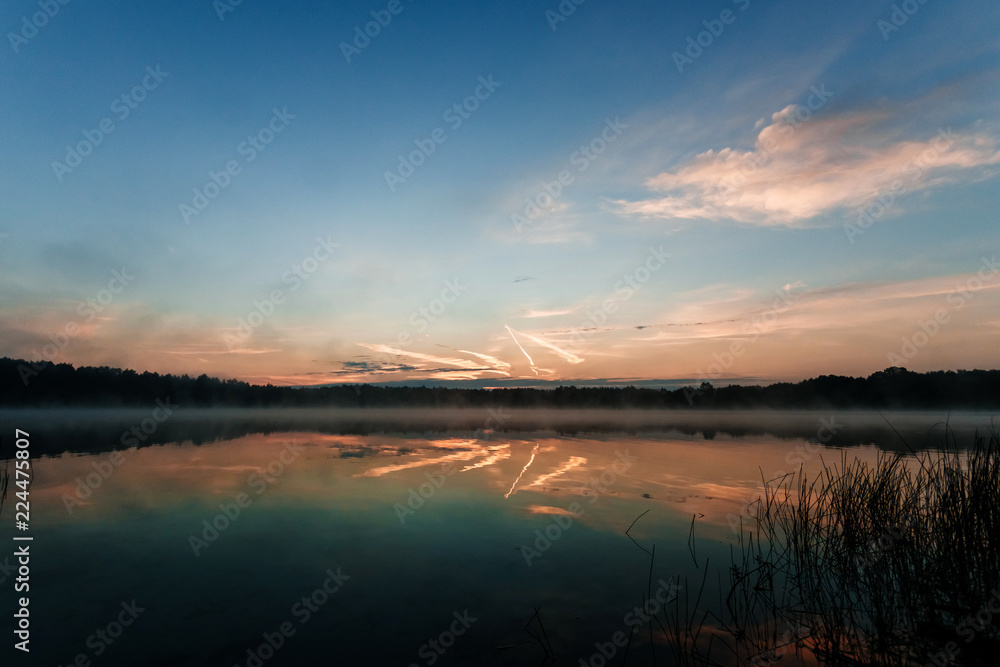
x=798, y=171
x=532, y=313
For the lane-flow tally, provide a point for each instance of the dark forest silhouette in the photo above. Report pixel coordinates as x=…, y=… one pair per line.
x=64, y=385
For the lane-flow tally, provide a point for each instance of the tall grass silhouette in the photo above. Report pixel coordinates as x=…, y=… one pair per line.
x=886, y=563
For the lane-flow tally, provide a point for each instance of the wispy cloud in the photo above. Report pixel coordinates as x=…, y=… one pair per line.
x=531, y=313
x=869, y=307
x=498, y=364
x=797, y=172
x=203, y=350
x=457, y=362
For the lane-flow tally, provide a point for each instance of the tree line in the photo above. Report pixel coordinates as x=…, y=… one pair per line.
x=66, y=385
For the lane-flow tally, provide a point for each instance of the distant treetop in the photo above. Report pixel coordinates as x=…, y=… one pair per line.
x=31, y=384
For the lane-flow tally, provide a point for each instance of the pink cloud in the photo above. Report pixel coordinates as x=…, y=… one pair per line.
x=798, y=171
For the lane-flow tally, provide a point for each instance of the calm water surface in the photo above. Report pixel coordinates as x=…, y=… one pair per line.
x=365, y=543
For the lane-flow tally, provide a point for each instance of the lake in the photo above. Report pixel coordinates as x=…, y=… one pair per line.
x=427, y=537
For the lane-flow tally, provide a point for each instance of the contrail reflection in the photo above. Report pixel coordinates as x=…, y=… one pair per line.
x=533, y=452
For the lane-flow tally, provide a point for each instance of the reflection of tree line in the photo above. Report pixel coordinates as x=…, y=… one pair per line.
x=103, y=430
x=62, y=384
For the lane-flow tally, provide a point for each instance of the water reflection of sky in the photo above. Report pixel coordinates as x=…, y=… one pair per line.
x=681, y=475
x=424, y=526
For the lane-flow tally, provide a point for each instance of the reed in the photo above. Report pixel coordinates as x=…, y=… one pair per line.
x=866, y=564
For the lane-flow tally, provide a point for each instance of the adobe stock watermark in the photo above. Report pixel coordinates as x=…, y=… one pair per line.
x=248, y=149
x=624, y=289
x=881, y=545
x=85, y=487
x=122, y=107
x=423, y=317
x=805, y=453
x=455, y=116
x=432, y=651
x=789, y=120
x=381, y=18
x=751, y=330
x=103, y=469
x=544, y=539
x=828, y=428
x=296, y=277
x=223, y=7
x=899, y=17
x=562, y=522
x=103, y=638
x=229, y=512
x=37, y=21
x=882, y=200
x=634, y=620
x=302, y=612
x=416, y=498
x=776, y=650
x=967, y=630
x=563, y=11
x=495, y=419
x=550, y=192
x=88, y=310
x=140, y=432
x=601, y=484
x=958, y=299
x=697, y=44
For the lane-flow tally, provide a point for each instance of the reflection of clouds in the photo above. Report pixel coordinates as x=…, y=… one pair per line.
x=465, y=450
x=385, y=470
x=720, y=492
x=546, y=509
x=209, y=467
x=680, y=477
x=361, y=451
x=455, y=443
x=502, y=453
x=574, y=462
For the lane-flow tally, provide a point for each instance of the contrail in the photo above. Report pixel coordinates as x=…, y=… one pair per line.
x=522, y=350
x=568, y=356
x=533, y=452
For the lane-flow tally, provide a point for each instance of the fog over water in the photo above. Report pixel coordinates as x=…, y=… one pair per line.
x=103, y=429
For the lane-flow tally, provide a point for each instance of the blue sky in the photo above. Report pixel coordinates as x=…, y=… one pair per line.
x=749, y=165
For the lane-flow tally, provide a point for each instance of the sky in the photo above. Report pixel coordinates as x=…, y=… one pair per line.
x=405, y=190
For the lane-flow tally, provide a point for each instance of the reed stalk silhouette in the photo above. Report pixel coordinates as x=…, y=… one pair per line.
x=884, y=563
